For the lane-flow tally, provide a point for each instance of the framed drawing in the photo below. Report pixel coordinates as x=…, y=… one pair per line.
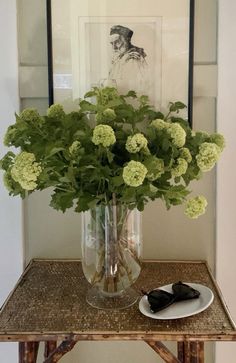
x=141, y=45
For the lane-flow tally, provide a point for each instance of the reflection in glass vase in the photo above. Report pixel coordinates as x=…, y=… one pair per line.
x=111, y=251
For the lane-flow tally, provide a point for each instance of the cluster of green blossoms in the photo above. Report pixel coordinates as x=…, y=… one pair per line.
x=56, y=111
x=177, y=134
x=208, y=155
x=186, y=155
x=30, y=115
x=26, y=170
x=180, y=167
x=159, y=124
x=155, y=169
x=134, y=173
x=136, y=143
x=74, y=148
x=196, y=207
x=219, y=140
x=103, y=135
x=175, y=130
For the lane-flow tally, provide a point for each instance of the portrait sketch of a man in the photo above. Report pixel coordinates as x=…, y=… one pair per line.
x=127, y=51
x=128, y=61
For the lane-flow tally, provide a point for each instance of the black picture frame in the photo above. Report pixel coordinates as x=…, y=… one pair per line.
x=190, y=57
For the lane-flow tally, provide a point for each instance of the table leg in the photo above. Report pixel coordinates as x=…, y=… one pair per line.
x=28, y=352
x=50, y=346
x=61, y=350
x=191, y=352
x=163, y=352
x=197, y=352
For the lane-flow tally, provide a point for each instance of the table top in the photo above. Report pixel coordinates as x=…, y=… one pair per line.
x=49, y=303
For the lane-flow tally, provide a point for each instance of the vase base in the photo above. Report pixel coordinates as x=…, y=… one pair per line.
x=99, y=300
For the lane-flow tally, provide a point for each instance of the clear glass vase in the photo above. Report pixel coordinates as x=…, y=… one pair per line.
x=111, y=252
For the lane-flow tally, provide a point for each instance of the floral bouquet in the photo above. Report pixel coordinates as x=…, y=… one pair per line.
x=114, y=148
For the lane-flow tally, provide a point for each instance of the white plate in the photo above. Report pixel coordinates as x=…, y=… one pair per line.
x=180, y=309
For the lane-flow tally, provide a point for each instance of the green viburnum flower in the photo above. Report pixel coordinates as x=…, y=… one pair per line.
x=74, y=148
x=104, y=135
x=106, y=94
x=30, y=115
x=56, y=111
x=26, y=170
x=155, y=169
x=159, y=124
x=185, y=154
x=203, y=134
x=10, y=135
x=177, y=134
x=109, y=114
x=195, y=207
x=219, y=140
x=179, y=168
x=208, y=155
x=134, y=173
x=136, y=143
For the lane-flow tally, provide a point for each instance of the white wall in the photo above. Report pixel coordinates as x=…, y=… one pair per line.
x=226, y=171
x=11, y=255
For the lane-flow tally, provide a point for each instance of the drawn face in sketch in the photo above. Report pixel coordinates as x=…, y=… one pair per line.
x=118, y=43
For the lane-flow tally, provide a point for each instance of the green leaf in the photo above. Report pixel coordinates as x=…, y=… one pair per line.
x=54, y=151
x=7, y=160
x=140, y=205
x=87, y=106
x=165, y=144
x=143, y=100
x=176, y=106
x=117, y=181
x=84, y=203
x=90, y=94
x=62, y=200
x=110, y=155
x=131, y=94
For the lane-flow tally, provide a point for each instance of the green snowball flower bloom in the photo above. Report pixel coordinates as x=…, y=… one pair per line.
x=10, y=136
x=155, y=169
x=185, y=154
x=178, y=134
x=134, y=173
x=109, y=114
x=56, y=111
x=104, y=135
x=159, y=124
x=136, y=143
x=195, y=207
x=179, y=168
x=219, y=140
x=26, y=170
x=208, y=155
x=30, y=115
x=74, y=148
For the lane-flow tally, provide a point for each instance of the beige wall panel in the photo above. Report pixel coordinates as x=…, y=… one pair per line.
x=33, y=81
x=32, y=32
x=205, y=44
x=205, y=81
x=40, y=103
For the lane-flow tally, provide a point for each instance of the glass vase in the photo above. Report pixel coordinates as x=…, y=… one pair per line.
x=111, y=252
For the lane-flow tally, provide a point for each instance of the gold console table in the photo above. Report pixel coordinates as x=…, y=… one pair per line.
x=48, y=305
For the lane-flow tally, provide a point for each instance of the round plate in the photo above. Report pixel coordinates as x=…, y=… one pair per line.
x=180, y=309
